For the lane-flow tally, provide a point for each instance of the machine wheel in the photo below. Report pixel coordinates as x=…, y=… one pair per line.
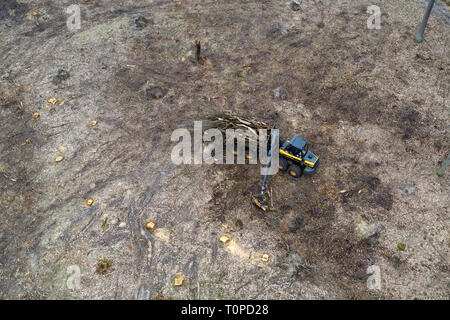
x=283, y=164
x=295, y=171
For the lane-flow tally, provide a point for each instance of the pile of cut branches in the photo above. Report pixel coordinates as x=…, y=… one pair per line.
x=229, y=120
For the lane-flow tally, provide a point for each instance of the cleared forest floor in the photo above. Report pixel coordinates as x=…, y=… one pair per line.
x=372, y=103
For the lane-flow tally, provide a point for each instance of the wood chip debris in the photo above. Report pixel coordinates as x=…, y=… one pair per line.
x=224, y=239
x=179, y=279
x=59, y=158
x=36, y=115
x=90, y=202
x=32, y=14
x=265, y=258
x=227, y=227
x=187, y=55
x=52, y=101
x=151, y=225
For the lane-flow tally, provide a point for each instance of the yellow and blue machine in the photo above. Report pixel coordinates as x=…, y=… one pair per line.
x=296, y=158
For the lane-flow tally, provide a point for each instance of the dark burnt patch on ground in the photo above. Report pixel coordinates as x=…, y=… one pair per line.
x=11, y=9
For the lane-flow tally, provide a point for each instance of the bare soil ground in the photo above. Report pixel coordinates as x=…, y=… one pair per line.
x=372, y=103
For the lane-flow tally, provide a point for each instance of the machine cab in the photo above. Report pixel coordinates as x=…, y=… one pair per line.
x=297, y=146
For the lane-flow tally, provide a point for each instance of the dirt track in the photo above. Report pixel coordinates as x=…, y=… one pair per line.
x=372, y=103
